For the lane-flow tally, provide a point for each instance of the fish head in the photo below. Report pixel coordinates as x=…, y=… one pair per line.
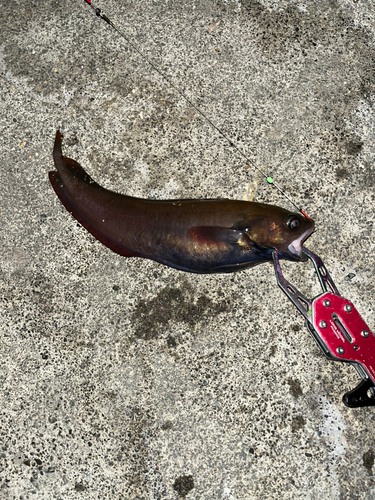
x=284, y=231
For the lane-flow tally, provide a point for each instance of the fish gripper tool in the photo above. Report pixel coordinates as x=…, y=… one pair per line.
x=338, y=329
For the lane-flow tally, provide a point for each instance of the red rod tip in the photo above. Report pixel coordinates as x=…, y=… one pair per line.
x=305, y=214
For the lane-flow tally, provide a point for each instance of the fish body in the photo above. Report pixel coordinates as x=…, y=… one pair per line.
x=202, y=236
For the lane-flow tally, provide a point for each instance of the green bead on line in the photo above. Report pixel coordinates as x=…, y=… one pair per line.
x=269, y=180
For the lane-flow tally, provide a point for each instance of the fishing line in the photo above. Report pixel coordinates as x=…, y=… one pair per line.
x=270, y=180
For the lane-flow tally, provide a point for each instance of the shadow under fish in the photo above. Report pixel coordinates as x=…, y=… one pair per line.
x=200, y=236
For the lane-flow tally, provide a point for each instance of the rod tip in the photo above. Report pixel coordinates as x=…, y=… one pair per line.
x=305, y=214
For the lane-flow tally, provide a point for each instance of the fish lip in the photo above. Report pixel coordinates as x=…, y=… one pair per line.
x=295, y=248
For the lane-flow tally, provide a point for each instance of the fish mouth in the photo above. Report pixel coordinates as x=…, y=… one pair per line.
x=295, y=248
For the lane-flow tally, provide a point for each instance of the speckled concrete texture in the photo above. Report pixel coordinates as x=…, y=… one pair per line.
x=124, y=379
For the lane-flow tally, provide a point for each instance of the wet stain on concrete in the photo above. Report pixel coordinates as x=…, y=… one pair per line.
x=298, y=423
x=342, y=174
x=368, y=461
x=171, y=341
x=134, y=452
x=183, y=485
x=368, y=176
x=354, y=147
x=304, y=32
x=295, y=388
x=174, y=305
x=167, y=425
x=343, y=59
x=296, y=328
x=80, y=487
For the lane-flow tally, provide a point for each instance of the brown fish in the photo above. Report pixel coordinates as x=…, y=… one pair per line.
x=201, y=236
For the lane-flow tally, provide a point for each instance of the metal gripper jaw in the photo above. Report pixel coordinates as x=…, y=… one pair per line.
x=338, y=328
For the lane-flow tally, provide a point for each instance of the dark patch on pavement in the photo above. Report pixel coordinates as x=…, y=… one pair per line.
x=368, y=461
x=298, y=423
x=183, y=485
x=174, y=305
x=295, y=388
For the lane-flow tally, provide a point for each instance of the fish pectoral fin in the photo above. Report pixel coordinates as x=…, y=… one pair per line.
x=218, y=236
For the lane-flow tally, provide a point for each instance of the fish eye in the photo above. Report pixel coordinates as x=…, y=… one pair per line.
x=293, y=223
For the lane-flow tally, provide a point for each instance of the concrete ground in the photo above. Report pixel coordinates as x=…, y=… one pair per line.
x=125, y=379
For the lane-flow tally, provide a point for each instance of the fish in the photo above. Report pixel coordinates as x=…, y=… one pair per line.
x=193, y=235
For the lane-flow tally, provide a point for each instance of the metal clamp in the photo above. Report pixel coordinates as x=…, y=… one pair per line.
x=338, y=329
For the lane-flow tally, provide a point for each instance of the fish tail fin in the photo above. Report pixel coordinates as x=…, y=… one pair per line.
x=86, y=200
x=68, y=166
x=58, y=187
x=67, y=181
